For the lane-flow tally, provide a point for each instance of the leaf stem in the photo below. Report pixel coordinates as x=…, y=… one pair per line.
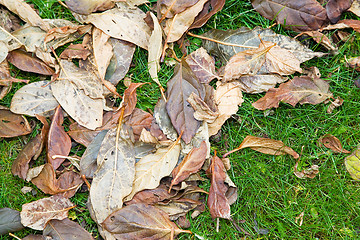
x=219, y=42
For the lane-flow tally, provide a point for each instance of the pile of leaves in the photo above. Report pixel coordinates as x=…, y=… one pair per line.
x=142, y=169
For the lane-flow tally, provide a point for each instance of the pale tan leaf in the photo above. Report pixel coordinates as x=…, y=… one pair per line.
x=102, y=51
x=259, y=83
x=155, y=50
x=8, y=42
x=202, y=111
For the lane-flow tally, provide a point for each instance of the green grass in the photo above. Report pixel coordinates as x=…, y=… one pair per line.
x=267, y=185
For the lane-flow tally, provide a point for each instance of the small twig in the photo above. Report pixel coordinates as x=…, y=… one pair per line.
x=217, y=224
x=167, y=11
x=14, y=236
x=14, y=80
x=62, y=4
x=86, y=181
x=219, y=42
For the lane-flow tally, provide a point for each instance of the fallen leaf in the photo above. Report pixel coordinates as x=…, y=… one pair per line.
x=346, y=23
x=310, y=172
x=217, y=202
x=153, y=167
x=352, y=164
x=64, y=32
x=113, y=179
x=333, y=143
x=59, y=143
x=75, y=51
x=7, y=43
x=34, y=172
x=298, y=90
x=322, y=39
x=5, y=74
x=36, y=214
x=8, y=21
x=140, y=221
x=259, y=83
x=169, y=8
x=66, y=229
x=202, y=111
x=155, y=50
x=203, y=65
x=178, y=208
x=337, y=103
x=85, y=103
x=116, y=22
x=13, y=125
x=192, y=163
x=265, y=145
x=182, y=84
x=86, y=7
x=138, y=121
x=33, y=237
x=334, y=9
x=299, y=16
x=88, y=164
x=26, y=13
x=31, y=151
x=355, y=7
x=175, y=27
x=210, y=9
x=103, y=51
x=245, y=38
x=34, y=99
x=9, y=221
x=161, y=127
x=130, y=99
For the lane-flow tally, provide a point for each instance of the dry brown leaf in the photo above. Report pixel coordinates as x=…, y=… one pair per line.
x=333, y=143
x=59, y=143
x=298, y=90
x=346, y=23
x=130, y=98
x=321, y=39
x=13, y=125
x=169, y=8
x=336, y=103
x=265, y=145
x=138, y=121
x=334, y=9
x=259, y=83
x=36, y=214
x=310, y=172
x=178, y=208
x=210, y=8
x=75, y=51
x=202, y=111
x=355, y=8
x=86, y=7
x=8, y=21
x=66, y=229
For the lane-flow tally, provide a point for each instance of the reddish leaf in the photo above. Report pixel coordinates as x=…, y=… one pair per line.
x=13, y=125
x=333, y=143
x=210, y=9
x=78, y=51
x=299, y=16
x=59, y=143
x=217, y=201
x=130, y=99
x=190, y=164
x=169, y=8
x=334, y=9
x=29, y=63
x=31, y=151
x=139, y=120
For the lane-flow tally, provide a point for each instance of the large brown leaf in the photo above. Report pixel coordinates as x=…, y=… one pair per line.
x=36, y=214
x=13, y=125
x=334, y=9
x=59, y=143
x=190, y=164
x=66, y=229
x=265, y=145
x=298, y=90
x=140, y=221
x=217, y=201
x=31, y=151
x=299, y=16
x=210, y=9
x=114, y=176
x=180, y=111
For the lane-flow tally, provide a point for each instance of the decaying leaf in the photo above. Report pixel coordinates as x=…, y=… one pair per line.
x=355, y=7
x=265, y=145
x=298, y=90
x=217, y=201
x=85, y=103
x=36, y=214
x=346, y=23
x=130, y=98
x=180, y=111
x=202, y=111
x=310, y=172
x=210, y=8
x=334, y=104
x=259, y=83
x=5, y=74
x=116, y=22
x=203, y=65
x=59, y=143
x=322, y=39
x=162, y=126
x=155, y=50
x=192, y=163
x=34, y=99
x=66, y=229
x=153, y=167
x=8, y=21
x=352, y=164
x=333, y=143
x=334, y=9
x=245, y=38
x=13, y=125
x=140, y=221
x=138, y=121
x=75, y=51
x=297, y=15
x=9, y=221
x=178, y=208
x=88, y=6
x=113, y=179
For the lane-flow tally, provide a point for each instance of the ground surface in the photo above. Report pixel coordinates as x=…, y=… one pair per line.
x=267, y=186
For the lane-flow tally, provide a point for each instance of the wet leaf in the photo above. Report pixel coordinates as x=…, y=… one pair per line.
x=333, y=143
x=59, y=143
x=299, y=16
x=25, y=12
x=114, y=176
x=334, y=9
x=9, y=221
x=153, y=167
x=217, y=201
x=180, y=23
x=246, y=38
x=192, y=163
x=31, y=151
x=203, y=65
x=34, y=99
x=352, y=164
x=298, y=90
x=140, y=221
x=265, y=145
x=36, y=214
x=85, y=103
x=182, y=84
x=116, y=22
x=13, y=125
x=66, y=229
x=88, y=6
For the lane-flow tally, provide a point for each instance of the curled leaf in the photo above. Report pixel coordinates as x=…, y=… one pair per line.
x=333, y=143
